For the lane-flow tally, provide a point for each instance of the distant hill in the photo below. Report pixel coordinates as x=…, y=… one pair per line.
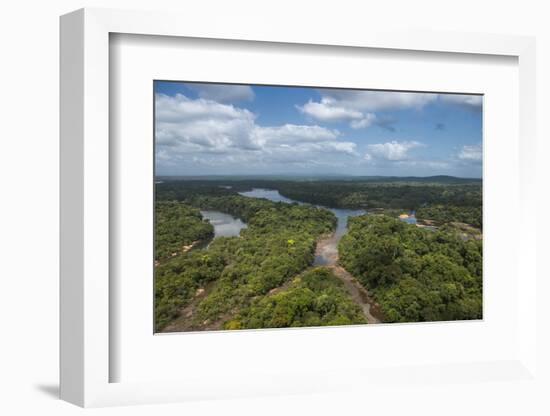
x=423, y=179
x=443, y=179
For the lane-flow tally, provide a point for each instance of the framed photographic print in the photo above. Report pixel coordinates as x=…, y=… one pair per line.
x=248, y=215
x=279, y=206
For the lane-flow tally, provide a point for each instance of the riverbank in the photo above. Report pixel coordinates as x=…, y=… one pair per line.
x=326, y=251
x=359, y=294
x=326, y=254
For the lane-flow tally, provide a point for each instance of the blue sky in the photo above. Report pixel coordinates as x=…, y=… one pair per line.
x=222, y=129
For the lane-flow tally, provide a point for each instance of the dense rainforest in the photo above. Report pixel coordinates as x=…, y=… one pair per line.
x=444, y=200
x=314, y=298
x=176, y=227
x=442, y=214
x=264, y=276
x=414, y=274
x=278, y=244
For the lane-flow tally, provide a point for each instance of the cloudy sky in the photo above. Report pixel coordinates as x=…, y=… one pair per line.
x=220, y=129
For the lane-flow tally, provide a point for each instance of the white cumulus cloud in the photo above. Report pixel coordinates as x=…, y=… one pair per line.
x=367, y=120
x=224, y=93
x=292, y=134
x=359, y=107
x=373, y=101
x=324, y=111
x=473, y=153
x=473, y=101
x=202, y=132
x=392, y=151
x=194, y=124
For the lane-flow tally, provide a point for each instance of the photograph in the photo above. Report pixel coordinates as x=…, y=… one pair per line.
x=302, y=206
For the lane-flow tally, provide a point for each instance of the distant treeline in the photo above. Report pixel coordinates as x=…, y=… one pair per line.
x=442, y=214
x=394, y=195
x=441, y=179
x=442, y=201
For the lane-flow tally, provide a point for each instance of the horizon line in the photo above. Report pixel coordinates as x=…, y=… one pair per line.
x=318, y=175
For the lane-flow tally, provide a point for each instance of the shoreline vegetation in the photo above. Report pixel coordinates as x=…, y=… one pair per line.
x=381, y=270
x=415, y=275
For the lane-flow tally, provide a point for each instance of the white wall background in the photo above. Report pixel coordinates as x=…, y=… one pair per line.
x=29, y=56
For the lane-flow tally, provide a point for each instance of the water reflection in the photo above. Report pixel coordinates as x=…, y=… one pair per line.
x=409, y=218
x=328, y=248
x=224, y=225
x=271, y=194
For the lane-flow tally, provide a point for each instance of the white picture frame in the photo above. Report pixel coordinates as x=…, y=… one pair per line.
x=86, y=354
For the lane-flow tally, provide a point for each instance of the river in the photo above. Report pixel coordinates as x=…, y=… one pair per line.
x=327, y=248
x=225, y=225
x=326, y=252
